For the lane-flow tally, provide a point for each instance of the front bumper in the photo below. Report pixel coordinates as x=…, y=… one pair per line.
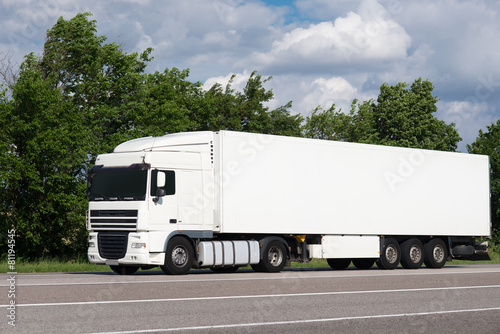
x=133, y=256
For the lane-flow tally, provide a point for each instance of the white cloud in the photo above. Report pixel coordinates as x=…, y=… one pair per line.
x=144, y=40
x=355, y=38
x=245, y=15
x=325, y=10
x=463, y=36
x=238, y=83
x=469, y=117
x=325, y=92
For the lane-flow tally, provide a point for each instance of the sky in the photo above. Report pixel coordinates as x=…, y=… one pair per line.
x=318, y=52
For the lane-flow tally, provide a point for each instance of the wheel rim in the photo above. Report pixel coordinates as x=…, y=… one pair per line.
x=438, y=253
x=391, y=254
x=415, y=254
x=275, y=256
x=179, y=256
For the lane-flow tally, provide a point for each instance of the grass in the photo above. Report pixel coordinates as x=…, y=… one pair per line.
x=52, y=265
x=82, y=265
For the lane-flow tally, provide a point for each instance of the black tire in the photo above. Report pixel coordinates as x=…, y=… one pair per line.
x=225, y=270
x=179, y=256
x=124, y=270
x=339, y=264
x=274, y=257
x=390, y=255
x=257, y=268
x=435, y=253
x=363, y=263
x=412, y=254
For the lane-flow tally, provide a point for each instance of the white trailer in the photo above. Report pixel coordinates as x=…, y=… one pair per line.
x=229, y=199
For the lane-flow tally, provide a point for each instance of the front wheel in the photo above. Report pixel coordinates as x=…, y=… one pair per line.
x=178, y=257
x=273, y=257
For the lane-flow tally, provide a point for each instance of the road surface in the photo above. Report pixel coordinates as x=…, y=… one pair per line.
x=453, y=299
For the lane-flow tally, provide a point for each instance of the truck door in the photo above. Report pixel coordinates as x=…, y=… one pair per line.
x=163, y=203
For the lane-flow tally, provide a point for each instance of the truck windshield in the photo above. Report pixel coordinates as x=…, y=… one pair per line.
x=117, y=184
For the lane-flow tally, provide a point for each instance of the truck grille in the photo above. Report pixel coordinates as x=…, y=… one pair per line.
x=112, y=245
x=118, y=220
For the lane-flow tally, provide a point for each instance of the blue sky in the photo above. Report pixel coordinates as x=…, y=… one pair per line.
x=319, y=52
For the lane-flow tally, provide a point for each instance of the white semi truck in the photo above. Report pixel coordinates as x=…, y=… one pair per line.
x=225, y=199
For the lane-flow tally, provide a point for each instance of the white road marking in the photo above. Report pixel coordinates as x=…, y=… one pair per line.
x=331, y=293
x=282, y=276
x=274, y=323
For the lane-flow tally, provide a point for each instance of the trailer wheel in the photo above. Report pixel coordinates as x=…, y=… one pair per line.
x=363, y=263
x=390, y=254
x=436, y=253
x=178, y=257
x=124, y=270
x=273, y=257
x=412, y=254
x=339, y=264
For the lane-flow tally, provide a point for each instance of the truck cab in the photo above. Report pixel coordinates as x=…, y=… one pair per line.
x=146, y=192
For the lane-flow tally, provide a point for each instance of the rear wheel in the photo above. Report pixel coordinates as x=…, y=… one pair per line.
x=124, y=270
x=390, y=254
x=412, y=254
x=339, y=264
x=273, y=258
x=363, y=263
x=436, y=253
x=178, y=257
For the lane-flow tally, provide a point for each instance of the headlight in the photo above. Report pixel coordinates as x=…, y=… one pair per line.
x=91, y=244
x=138, y=245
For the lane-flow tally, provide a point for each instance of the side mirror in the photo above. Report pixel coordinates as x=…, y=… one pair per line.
x=161, y=180
x=160, y=192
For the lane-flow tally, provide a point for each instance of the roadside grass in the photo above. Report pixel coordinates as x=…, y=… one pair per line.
x=52, y=265
x=81, y=265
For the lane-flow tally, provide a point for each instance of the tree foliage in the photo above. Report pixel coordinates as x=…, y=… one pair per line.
x=401, y=116
x=228, y=109
x=488, y=143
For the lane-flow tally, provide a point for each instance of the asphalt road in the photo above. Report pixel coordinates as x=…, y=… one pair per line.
x=455, y=299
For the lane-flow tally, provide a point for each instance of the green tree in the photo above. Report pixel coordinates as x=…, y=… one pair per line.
x=165, y=103
x=488, y=143
x=401, y=116
x=246, y=111
x=64, y=111
x=282, y=122
x=41, y=182
x=8, y=168
x=405, y=117
x=325, y=124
